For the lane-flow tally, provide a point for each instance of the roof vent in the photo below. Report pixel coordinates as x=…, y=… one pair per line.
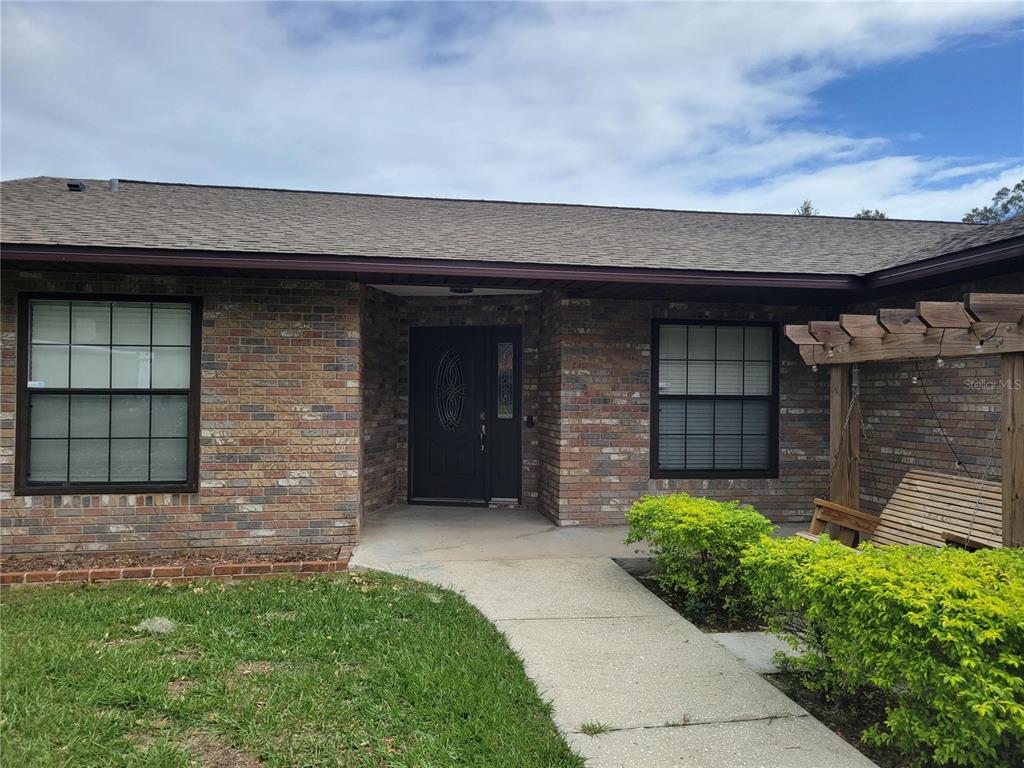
x=113, y=185
x=76, y=185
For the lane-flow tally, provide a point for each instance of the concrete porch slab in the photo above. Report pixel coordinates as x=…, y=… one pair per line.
x=543, y=588
x=409, y=532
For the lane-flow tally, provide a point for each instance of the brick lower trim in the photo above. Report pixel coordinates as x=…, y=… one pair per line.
x=217, y=571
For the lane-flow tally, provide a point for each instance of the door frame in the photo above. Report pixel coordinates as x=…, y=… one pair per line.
x=517, y=368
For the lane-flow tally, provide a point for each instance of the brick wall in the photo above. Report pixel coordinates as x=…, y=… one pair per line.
x=303, y=428
x=600, y=460
x=382, y=463
x=549, y=402
x=280, y=427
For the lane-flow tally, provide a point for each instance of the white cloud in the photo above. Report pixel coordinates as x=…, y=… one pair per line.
x=673, y=105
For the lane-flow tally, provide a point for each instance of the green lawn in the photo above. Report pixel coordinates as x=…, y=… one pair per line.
x=360, y=670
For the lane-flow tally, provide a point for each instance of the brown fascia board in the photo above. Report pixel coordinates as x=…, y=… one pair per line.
x=1006, y=255
x=455, y=268
x=1003, y=256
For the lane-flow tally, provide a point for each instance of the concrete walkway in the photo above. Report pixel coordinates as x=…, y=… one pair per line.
x=600, y=646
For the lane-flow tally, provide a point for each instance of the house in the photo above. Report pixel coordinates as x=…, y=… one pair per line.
x=223, y=369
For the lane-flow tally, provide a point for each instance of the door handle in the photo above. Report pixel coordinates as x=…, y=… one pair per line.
x=483, y=434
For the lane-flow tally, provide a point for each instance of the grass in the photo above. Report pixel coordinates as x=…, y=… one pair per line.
x=358, y=670
x=595, y=729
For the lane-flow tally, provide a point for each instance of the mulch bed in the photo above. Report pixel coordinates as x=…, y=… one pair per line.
x=706, y=620
x=86, y=560
x=846, y=718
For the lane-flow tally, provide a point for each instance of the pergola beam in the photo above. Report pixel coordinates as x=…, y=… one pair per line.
x=944, y=314
x=996, y=307
x=981, y=324
x=862, y=326
x=828, y=332
x=901, y=321
x=993, y=339
x=801, y=335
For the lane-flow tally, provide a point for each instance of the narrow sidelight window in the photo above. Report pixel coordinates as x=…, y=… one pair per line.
x=506, y=384
x=108, y=394
x=714, y=400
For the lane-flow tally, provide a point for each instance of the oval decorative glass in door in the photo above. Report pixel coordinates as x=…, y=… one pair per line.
x=450, y=390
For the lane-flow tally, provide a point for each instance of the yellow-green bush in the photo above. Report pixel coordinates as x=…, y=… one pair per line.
x=698, y=543
x=939, y=631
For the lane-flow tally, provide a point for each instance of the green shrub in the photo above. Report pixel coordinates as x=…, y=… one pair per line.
x=940, y=632
x=698, y=543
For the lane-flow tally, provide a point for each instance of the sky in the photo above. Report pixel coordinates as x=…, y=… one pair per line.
x=913, y=108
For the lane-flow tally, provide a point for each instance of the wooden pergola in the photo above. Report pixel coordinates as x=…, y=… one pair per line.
x=982, y=324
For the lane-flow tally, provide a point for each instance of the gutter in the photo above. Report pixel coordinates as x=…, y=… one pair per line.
x=447, y=268
x=1001, y=256
x=990, y=255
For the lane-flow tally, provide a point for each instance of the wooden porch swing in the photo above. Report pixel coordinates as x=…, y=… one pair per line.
x=927, y=507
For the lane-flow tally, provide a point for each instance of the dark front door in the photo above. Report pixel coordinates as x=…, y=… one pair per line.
x=465, y=437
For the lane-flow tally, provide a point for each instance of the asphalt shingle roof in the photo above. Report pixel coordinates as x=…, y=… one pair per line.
x=41, y=211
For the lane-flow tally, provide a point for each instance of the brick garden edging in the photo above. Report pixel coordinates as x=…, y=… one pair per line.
x=218, y=571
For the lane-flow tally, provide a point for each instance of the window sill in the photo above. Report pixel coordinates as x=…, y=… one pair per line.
x=85, y=489
x=715, y=474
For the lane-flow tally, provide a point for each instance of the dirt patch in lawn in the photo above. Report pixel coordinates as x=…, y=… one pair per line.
x=180, y=687
x=254, y=668
x=213, y=754
x=122, y=641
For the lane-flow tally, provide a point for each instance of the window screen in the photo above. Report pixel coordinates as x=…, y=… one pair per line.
x=715, y=399
x=109, y=392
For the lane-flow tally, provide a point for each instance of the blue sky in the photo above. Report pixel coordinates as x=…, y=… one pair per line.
x=966, y=98
x=914, y=108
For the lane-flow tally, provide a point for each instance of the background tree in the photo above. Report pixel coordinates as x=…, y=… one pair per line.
x=867, y=213
x=807, y=209
x=1006, y=204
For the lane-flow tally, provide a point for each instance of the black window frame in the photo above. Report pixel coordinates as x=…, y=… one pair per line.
x=772, y=471
x=22, y=486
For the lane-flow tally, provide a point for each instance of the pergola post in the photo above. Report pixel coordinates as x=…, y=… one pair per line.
x=844, y=437
x=1013, y=449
